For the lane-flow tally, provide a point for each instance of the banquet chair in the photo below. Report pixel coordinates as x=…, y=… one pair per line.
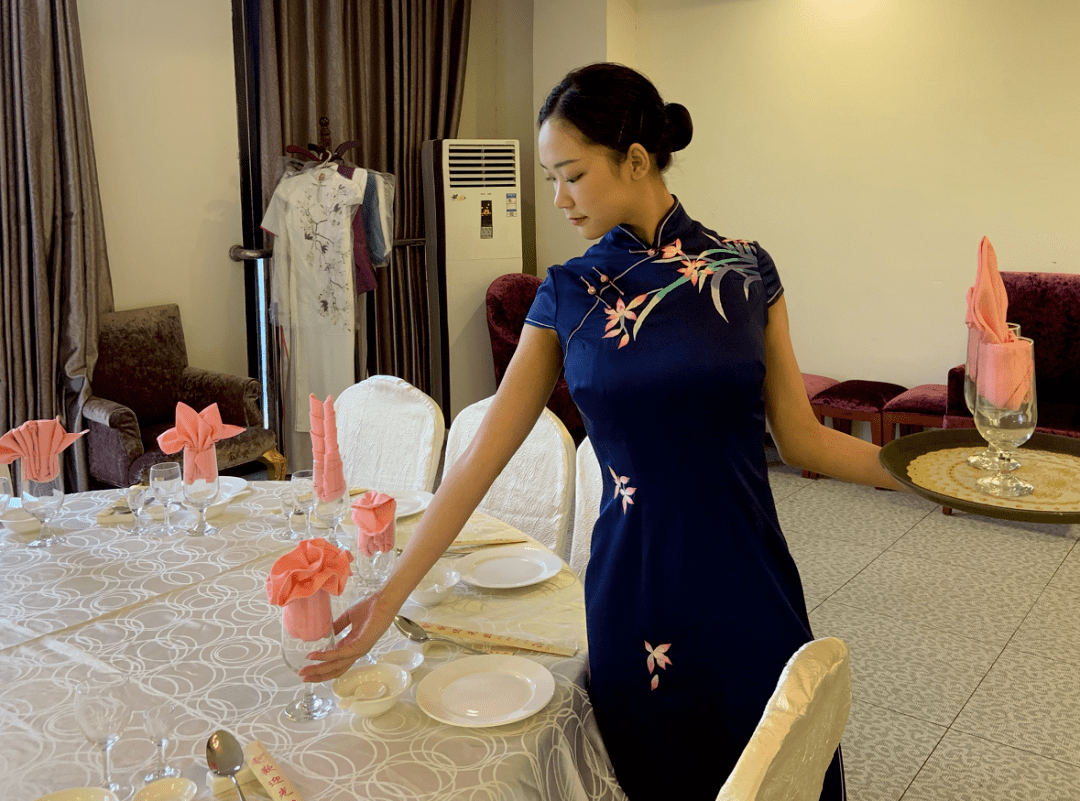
x=142, y=372
x=509, y=298
x=390, y=435
x=535, y=491
x=800, y=729
x=588, y=487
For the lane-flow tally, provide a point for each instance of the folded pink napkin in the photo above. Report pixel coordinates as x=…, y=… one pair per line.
x=1005, y=373
x=38, y=443
x=302, y=581
x=988, y=304
x=327, y=469
x=196, y=433
x=373, y=513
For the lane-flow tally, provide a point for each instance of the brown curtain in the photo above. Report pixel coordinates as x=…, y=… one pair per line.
x=54, y=271
x=390, y=75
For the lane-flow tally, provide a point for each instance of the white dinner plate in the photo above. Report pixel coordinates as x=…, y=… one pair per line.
x=228, y=488
x=508, y=566
x=490, y=690
x=410, y=502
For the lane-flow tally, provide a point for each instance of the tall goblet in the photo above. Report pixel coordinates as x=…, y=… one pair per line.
x=988, y=458
x=303, y=485
x=200, y=493
x=331, y=513
x=166, y=481
x=102, y=710
x=1005, y=410
x=43, y=500
x=313, y=632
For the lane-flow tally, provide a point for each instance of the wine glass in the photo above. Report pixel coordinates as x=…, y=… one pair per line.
x=5, y=492
x=283, y=502
x=200, y=493
x=102, y=710
x=1005, y=410
x=138, y=495
x=294, y=651
x=331, y=513
x=988, y=458
x=166, y=483
x=43, y=500
x=303, y=485
x=158, y=720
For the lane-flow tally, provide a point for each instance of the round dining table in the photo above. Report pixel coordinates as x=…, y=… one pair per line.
x=186, y=619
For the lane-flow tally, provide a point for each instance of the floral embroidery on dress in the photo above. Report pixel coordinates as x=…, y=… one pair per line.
x=621, y=488
x=618, y=316
x=657, y=656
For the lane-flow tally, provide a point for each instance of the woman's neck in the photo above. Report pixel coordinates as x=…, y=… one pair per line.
x=655, y=204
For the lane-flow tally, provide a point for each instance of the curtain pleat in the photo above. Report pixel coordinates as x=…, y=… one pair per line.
x=390, y=75
x=54, y=270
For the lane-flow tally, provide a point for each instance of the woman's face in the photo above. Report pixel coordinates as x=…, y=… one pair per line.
x=594, y=192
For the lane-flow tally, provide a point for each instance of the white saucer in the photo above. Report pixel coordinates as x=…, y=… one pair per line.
x=178, y=789
x=509, y=566
x=80, y=794
x=19, y=520
x=410, y=502
x=490, y=690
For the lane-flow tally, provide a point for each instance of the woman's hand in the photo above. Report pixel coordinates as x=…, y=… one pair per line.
x=366, y=621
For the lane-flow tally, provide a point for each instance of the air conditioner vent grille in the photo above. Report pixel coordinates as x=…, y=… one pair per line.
x=482, y=165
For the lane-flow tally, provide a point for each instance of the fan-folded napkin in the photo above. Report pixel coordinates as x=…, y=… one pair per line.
x=373, y=513
x=302, y=581
x=1003, y=371
x=327, y=470
x=196, y=433
x=38, y=443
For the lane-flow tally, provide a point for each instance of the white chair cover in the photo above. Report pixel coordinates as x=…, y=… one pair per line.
x=535, y=491
x=587, y=491
x=390, y=435
x=795, y=740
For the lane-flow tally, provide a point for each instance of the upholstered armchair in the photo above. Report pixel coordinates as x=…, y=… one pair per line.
x=1047, y=308
x=508, y=300
x=142, y=371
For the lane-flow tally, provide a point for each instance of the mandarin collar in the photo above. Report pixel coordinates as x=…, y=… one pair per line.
x=676, y=223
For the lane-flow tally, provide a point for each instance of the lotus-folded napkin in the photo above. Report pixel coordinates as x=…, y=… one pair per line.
x=38, y=443
x=195, y=433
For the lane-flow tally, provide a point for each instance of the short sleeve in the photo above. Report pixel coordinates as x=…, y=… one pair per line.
x=770, y=278
x=542, y=312
x=274, y=220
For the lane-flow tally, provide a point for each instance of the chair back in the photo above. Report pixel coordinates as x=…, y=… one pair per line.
x=588, y=487
x=390, y=435
x=1047, y=307
x=535, y=491
x=509, y=298
x=141, y=360
x=795, y=740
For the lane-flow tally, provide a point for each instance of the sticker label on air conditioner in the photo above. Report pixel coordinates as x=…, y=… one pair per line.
x=511, y=204
x=486, y=231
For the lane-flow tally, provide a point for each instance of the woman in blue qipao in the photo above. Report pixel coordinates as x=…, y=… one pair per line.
x=675, y=345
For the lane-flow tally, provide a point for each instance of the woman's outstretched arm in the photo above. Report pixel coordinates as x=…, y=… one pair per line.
x=521, y=396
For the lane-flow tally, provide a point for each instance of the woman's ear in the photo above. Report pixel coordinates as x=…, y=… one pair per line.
x=639, y=160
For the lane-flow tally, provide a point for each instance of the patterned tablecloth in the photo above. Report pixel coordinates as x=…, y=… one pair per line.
x=187, y=618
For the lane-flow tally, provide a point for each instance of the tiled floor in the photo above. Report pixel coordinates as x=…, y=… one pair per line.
x=965, y=641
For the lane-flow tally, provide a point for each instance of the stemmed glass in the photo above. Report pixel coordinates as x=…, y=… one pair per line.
x=1006, y=423
x=201, y=493
x=283, y=503
x=331, y=513
x=138, y=496
x=5, y=493
x=372, y=573
x=166, y=483
x=158, y=721
x=294, y=651
x=102, y=710
x=988, y=458
x=43, y=500
x=303, y=485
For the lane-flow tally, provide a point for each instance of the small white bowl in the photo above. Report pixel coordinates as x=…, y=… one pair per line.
x=176, y=789
x=437, y=585
x=395, y=679
x=403, y=658
x=19, y=520
x=81, y=794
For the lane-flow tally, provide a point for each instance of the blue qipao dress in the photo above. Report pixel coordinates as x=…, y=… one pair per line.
x=693, y=601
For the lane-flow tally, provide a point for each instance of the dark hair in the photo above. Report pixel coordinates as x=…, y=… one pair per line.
x=615, y=106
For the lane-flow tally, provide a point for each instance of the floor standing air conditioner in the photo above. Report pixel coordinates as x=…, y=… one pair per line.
x=472, y=193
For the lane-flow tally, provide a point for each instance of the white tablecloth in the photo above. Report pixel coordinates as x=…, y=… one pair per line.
x=187, y=618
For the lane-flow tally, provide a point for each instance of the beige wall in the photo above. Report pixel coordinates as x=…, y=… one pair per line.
x=162, y=96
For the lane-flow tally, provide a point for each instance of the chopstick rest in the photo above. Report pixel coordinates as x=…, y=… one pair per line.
x=268, y=773
x=222, y=786
x=499, y=641
x=115, y=515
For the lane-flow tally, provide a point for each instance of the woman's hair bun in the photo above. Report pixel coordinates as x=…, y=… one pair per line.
x=680, y=127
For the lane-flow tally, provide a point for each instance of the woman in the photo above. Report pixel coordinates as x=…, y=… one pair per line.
x=676, y=349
